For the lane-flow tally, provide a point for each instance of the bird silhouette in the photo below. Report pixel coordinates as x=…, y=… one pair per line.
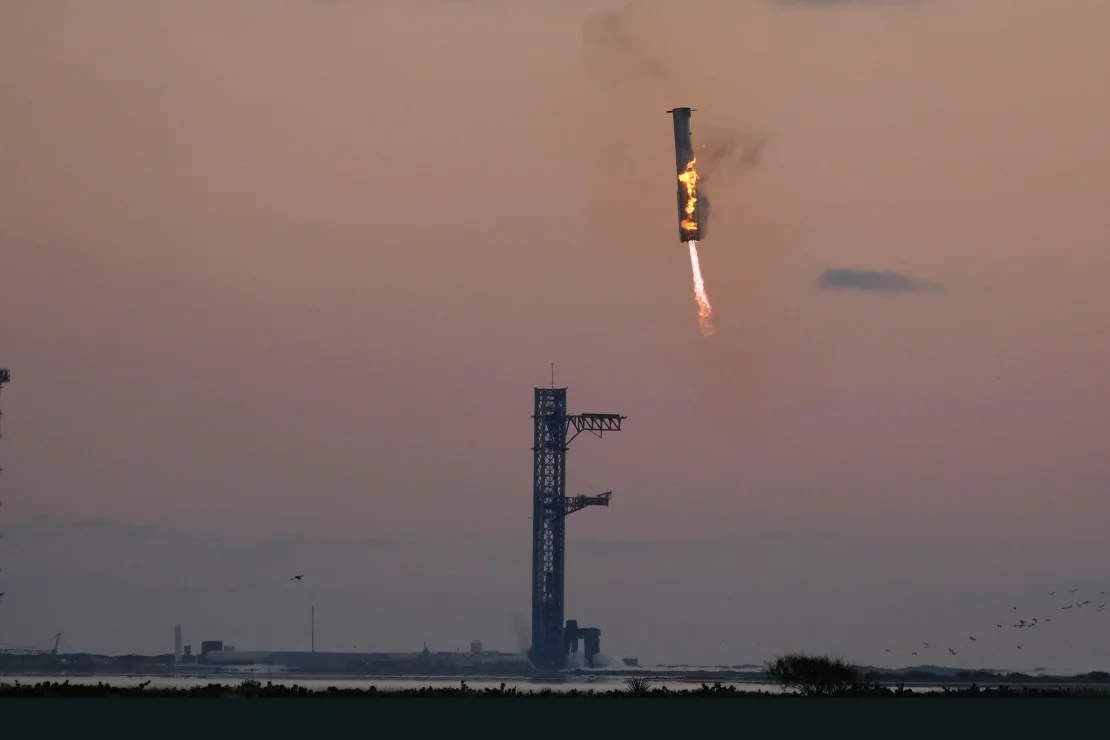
x=297, y=577
x=971, y=638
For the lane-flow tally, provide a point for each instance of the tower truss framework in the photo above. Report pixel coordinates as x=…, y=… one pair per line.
x=554, y=429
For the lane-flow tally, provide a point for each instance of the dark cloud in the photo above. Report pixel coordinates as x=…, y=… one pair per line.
x=872, y=281
x=831, y=3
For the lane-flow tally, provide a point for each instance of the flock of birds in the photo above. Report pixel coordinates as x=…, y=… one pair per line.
x=1060, y=600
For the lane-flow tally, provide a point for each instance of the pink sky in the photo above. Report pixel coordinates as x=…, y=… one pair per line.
x=284, y=267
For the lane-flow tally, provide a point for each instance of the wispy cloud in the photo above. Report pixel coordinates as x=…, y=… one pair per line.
x=873, y=281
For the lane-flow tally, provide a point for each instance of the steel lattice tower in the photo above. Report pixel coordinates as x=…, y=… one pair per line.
x=550, y=507
x=5, y=377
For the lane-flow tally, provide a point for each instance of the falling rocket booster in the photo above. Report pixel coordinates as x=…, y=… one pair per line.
x=689, y=203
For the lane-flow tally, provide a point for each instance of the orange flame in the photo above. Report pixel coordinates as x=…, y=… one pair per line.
x=689, y=180
x=705, y=310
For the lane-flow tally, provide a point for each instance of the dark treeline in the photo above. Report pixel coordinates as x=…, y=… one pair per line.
x=634, y=689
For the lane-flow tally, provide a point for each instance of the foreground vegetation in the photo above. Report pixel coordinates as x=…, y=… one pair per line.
x=634, y=688
x=638, y=707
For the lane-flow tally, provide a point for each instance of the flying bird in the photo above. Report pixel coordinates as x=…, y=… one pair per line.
x=971, y=638
x=297, y=577
x=951, y=651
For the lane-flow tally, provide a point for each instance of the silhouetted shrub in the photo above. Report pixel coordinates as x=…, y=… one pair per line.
x=814, y=675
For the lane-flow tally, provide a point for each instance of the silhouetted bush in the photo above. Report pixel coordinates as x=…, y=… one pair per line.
x=815, y=675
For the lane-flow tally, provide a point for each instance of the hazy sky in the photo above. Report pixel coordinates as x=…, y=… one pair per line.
x=277, y=278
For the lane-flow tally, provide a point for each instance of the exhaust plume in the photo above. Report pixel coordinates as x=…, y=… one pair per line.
x=705, y=310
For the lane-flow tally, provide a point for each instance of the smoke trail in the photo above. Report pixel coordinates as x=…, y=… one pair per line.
x=705, y=310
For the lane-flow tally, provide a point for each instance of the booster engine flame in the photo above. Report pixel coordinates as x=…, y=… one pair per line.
x=705, y=310
x=689, y=180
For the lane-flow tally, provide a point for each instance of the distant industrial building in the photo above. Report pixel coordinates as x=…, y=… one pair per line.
x=372, y=663
x=210, y=646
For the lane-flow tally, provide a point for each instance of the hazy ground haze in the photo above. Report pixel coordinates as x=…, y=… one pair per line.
x=277, y=278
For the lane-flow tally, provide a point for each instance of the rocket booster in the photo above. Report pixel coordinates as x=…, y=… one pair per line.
x=689, y=224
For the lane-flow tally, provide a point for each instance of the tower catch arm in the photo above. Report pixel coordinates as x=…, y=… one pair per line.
x=595, y=423
x=574, y=503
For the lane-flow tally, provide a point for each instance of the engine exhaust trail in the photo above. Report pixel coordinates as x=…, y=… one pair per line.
x=705, y=309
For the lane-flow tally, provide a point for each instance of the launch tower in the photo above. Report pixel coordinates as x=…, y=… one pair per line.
x=5, y=377
x=551, y=640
